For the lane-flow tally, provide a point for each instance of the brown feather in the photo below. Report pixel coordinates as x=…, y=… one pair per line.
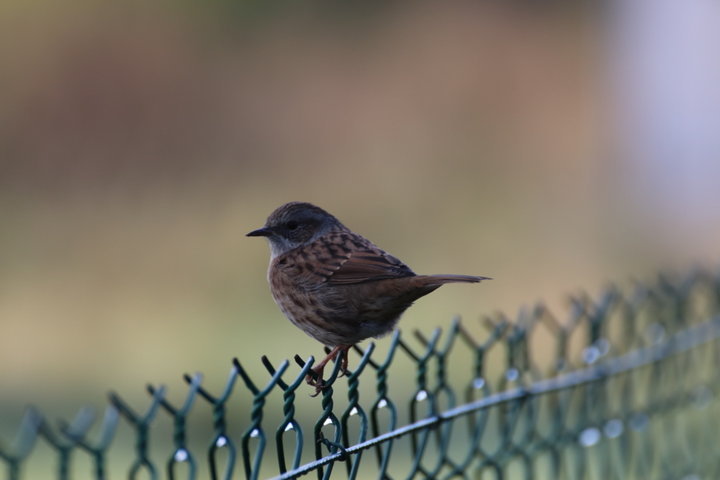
x=341, y=258
x=368, y=264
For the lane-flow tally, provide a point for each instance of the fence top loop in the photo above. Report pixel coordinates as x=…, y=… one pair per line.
x=130, y=414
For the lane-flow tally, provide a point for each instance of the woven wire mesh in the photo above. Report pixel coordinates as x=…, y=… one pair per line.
x=626, y=386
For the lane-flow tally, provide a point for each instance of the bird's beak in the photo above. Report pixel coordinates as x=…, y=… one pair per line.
x=260, y=232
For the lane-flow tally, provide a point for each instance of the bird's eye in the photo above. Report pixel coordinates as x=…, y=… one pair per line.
x=292, y=225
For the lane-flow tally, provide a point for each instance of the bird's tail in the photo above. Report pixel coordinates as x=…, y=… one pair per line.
x=446, y=278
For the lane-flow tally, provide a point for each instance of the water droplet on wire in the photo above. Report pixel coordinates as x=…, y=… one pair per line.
x=589, y=437
x=613, y=428
x=181, y=455
x=591, y=354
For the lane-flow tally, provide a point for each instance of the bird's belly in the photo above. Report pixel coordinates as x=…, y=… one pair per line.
x=337, y=316
x=343, y=314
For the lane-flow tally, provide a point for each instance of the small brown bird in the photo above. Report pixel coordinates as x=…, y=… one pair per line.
x=336, y=285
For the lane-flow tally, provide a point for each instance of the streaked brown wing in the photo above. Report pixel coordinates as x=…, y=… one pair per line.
x=338, y=258
x=366, y=263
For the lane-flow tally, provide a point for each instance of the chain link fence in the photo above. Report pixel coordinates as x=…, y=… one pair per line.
x=624, y=387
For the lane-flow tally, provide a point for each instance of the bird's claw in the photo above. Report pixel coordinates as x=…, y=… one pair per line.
x=314, y=379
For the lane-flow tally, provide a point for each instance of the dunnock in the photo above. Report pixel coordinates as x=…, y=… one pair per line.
x=335, y=285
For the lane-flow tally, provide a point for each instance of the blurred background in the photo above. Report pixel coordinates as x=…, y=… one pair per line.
x=552, y=146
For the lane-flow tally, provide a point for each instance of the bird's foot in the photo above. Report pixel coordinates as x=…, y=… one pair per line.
x=315, y=377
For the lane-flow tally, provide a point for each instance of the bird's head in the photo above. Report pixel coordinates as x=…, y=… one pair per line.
x=295, y=224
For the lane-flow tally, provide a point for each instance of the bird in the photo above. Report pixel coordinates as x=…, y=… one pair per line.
x=336, y=285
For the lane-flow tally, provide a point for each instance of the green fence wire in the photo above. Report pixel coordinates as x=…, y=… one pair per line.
x=625, y=387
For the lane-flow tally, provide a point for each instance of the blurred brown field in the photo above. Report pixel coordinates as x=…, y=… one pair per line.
x=139, y=143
